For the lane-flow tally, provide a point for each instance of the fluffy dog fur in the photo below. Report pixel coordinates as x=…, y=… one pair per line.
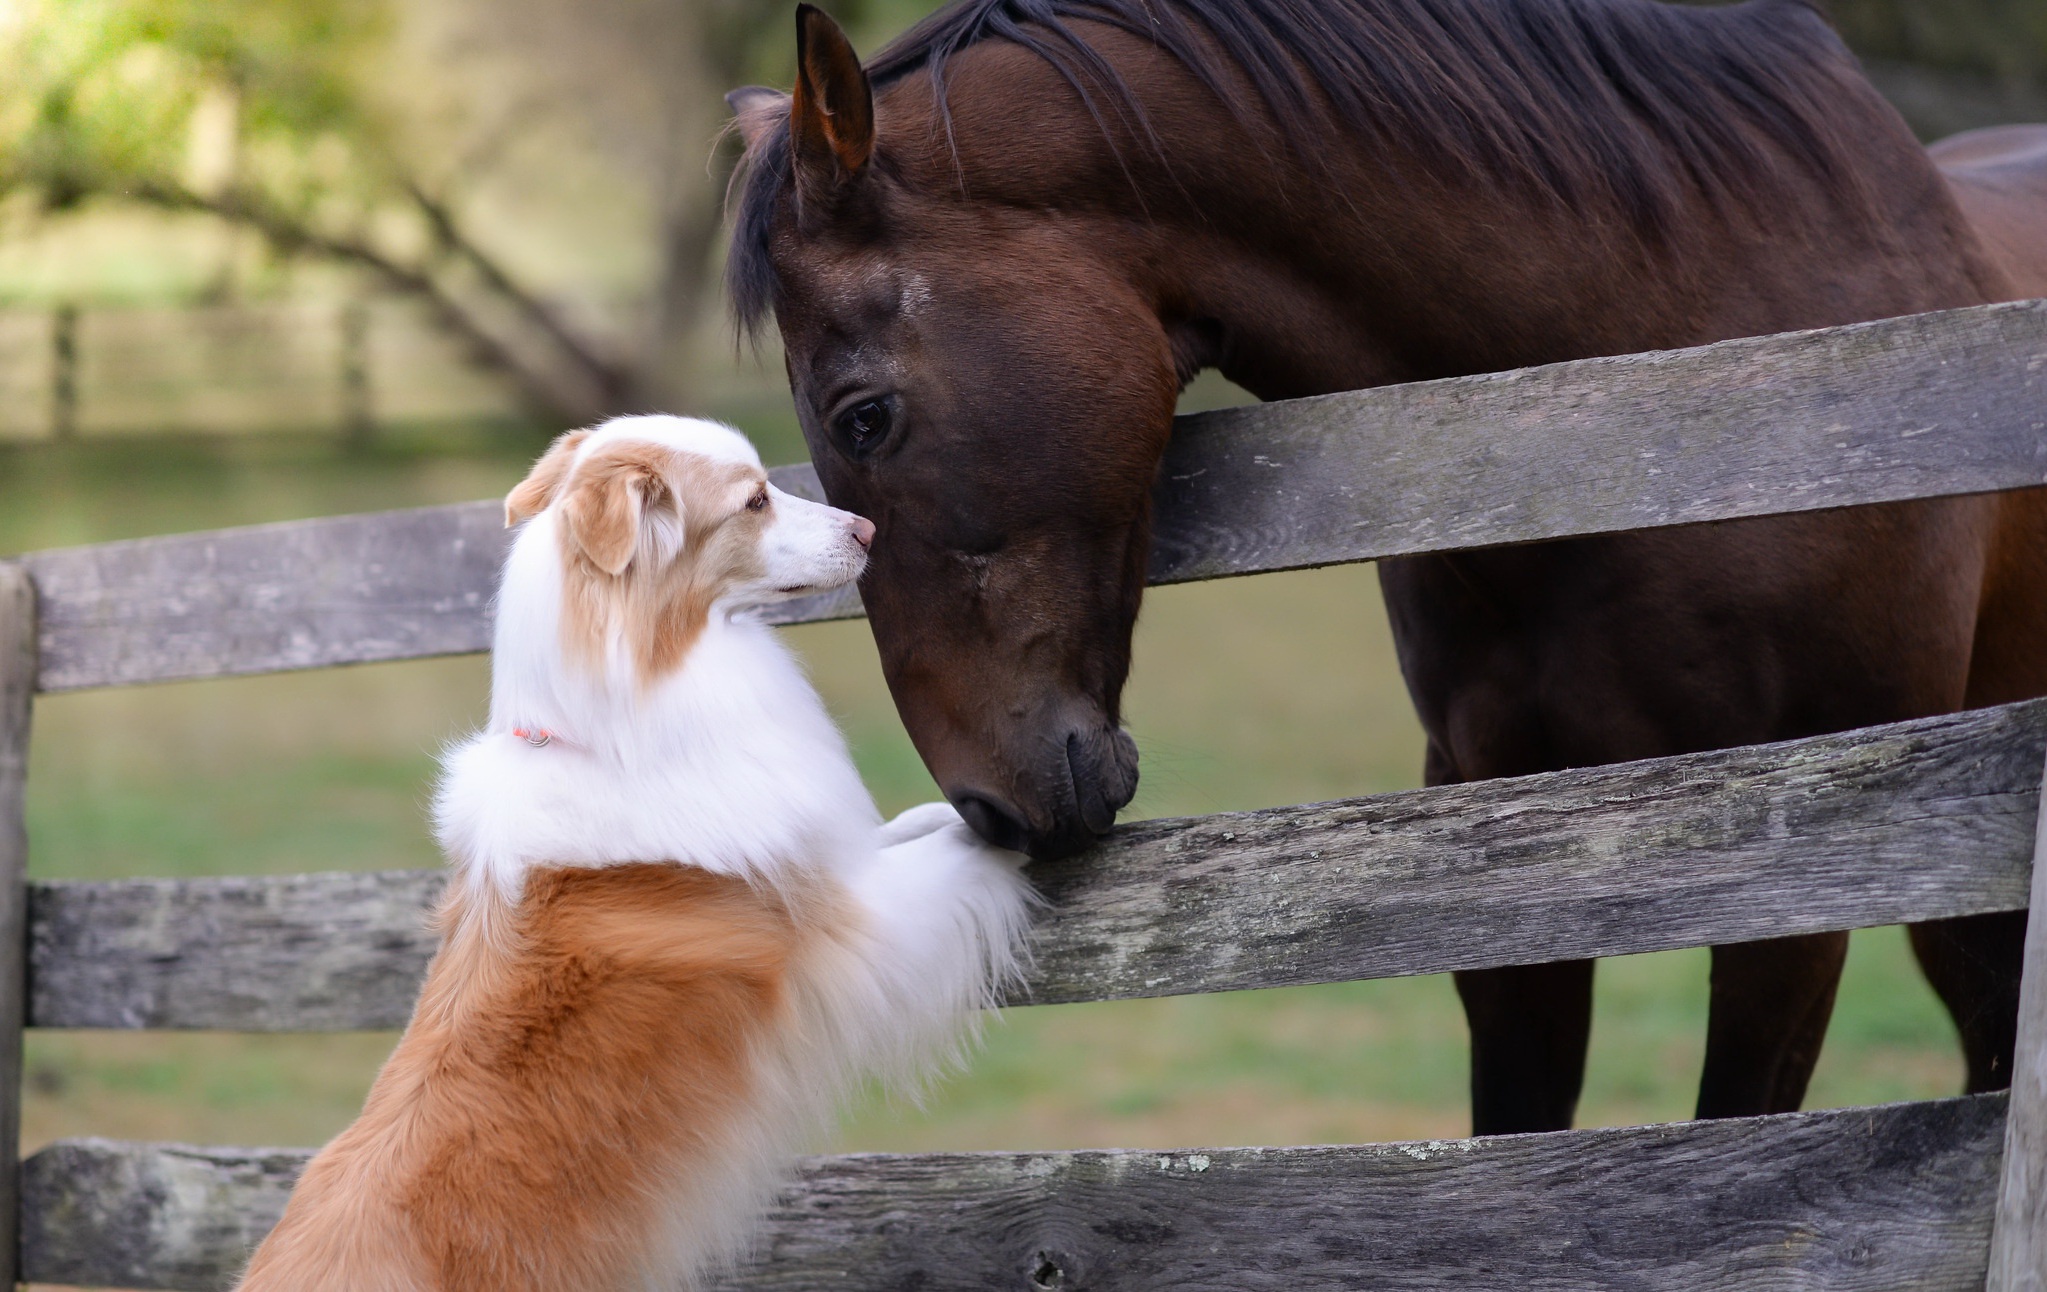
x=676, y=932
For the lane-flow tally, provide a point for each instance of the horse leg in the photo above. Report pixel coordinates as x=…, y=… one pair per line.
x=1530, y=1025
x=1769, y=1008
x=1973, y=963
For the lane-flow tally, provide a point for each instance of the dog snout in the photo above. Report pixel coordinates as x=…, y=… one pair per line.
x=863, y=532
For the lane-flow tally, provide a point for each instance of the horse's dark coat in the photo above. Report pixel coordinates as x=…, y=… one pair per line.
x=1566, y=99
x=994, y=266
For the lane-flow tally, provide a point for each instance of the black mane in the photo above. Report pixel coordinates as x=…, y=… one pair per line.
x=1576, y=100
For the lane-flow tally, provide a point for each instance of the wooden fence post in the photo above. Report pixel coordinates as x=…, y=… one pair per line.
x=2018, y=1243
x=64, y=371
x=358, y=417
x=17, y=687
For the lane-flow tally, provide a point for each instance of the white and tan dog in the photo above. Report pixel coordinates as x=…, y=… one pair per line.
x=676, y=931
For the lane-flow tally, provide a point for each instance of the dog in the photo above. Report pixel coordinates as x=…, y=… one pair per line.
x=676, y=932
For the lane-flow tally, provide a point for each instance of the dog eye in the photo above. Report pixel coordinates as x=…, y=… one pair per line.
x=864, y=425
x=759, y=502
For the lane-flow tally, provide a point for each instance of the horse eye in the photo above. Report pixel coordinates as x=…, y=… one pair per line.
x=864, y=424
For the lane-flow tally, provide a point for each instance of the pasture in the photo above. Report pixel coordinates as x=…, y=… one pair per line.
x=1252, y=692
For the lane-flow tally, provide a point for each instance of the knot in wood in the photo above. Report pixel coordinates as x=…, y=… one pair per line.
x=1047, y=1270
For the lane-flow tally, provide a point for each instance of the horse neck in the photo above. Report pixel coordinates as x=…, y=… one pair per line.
x=1347, y=263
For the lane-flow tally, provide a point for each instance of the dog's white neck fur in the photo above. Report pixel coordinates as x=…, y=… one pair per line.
x=730, y=762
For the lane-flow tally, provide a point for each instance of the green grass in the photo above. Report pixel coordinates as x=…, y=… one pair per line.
x=1245, y=693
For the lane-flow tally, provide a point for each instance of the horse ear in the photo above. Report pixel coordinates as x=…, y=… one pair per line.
x=756, y=109
x=607, y=503
x=831, y=114
x=530, y=496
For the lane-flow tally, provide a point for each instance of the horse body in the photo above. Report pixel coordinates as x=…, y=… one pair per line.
x=1999, y=176
x=1023, y=297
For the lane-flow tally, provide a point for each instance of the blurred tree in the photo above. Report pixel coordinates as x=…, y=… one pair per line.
x=646, y=80
x=378, y=132
x=278, y=116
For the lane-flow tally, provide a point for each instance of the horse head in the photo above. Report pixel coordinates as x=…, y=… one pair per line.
x=987, y=386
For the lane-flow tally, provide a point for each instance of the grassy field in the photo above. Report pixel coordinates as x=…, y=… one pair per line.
x=1272, y=690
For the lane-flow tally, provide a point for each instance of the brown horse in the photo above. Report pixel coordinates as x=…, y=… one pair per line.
x=996, y=256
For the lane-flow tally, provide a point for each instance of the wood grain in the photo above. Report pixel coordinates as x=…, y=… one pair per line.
x=2018, y=1250
x=1914, y=821
x=301, y=594
x=102, y=1213
x=1954, y=402
x=1842, y=1201
x=1929, y=404
x=271, y=953
x=17, y=692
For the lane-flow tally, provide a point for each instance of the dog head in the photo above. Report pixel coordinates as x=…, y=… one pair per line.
x=661, y=522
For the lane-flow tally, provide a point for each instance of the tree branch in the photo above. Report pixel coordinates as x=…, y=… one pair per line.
x=292, y=236
x=611, y=379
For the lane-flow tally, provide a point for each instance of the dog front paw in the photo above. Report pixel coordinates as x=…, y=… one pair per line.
x=916, y=822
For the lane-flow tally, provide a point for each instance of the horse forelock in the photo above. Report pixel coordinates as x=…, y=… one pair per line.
x=750, y=278
x=1633, y=103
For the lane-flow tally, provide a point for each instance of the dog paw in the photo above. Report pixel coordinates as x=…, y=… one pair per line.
x=916, y=822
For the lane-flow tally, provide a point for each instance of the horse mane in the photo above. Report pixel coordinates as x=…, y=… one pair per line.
x=1631, y=102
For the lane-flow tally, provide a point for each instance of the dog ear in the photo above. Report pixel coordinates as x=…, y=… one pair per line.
x=756, y=110
x=530, y=496
x=606, y=508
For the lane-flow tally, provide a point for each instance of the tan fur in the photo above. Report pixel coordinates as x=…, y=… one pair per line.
x=568, y=1061
x=607, y=596
x=530, y=496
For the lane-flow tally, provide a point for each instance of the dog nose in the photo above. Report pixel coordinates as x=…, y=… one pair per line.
x=863, y=531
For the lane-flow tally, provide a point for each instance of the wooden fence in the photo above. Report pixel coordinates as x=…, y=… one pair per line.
x=338, y=368
x=1907, y=822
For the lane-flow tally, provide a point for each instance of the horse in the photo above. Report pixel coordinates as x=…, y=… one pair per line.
x=996, y=255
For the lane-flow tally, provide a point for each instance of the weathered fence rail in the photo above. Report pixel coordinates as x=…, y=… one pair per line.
x=120, y=370
x=1906, y=822
x=1868, y=1199
x=1877, y=412
x=1886, y=825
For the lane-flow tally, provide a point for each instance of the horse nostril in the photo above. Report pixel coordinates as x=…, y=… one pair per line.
x=863, y=531
x=998, y=825
x=1103, y=767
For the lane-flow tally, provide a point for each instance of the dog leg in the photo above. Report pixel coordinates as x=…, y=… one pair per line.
x=949, y=915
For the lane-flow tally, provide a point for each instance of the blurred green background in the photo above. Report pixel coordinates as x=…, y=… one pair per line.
x=265, y=259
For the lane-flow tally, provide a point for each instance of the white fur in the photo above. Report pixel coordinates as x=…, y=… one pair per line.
x=731, y=763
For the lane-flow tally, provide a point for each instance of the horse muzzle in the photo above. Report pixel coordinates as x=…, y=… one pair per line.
x=1067, y=805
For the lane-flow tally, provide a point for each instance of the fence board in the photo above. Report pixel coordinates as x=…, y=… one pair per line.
x=17, y=689
x=1842, y=1201
x=272, y=953
x=1929, y=404
x=2018, y=1255
x=1937, y=403
x=300, y=594
x=1890, y=824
